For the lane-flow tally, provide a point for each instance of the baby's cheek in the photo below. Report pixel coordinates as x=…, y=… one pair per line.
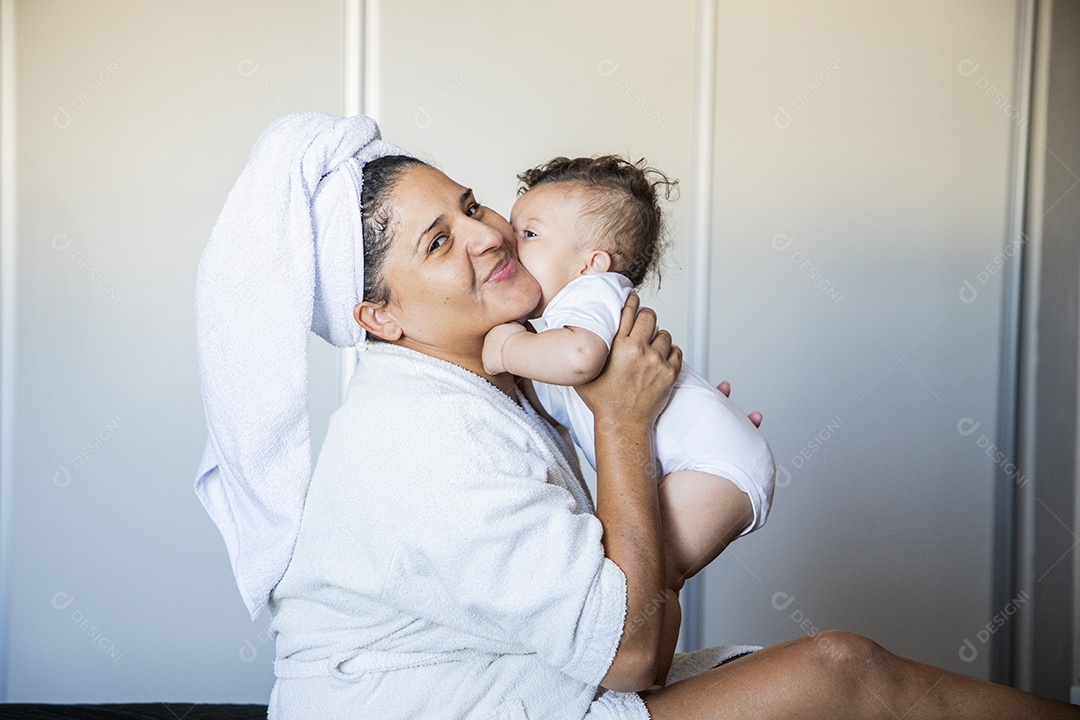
x=528, y=261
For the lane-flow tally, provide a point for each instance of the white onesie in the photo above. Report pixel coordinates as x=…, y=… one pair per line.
x=699, y=429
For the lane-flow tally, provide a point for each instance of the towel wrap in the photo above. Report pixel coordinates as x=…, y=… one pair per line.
x=285, y=258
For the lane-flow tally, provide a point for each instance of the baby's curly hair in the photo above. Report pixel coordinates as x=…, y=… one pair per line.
x=624, y=197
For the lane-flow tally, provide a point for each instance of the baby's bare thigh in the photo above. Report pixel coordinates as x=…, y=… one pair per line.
x=701, y=513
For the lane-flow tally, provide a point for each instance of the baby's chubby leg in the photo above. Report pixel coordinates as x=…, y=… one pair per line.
x=701, y=514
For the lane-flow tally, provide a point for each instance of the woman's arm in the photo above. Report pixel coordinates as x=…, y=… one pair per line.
x=669, y=639
x=560, y=356
x=626, y=400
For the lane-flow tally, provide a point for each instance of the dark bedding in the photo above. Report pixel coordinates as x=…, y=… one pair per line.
x=148, y=711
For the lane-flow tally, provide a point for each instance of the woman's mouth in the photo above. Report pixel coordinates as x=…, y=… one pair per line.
x=503, y=270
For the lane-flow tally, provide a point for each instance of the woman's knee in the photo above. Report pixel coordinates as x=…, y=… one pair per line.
x=849, y=665
x=846, y=649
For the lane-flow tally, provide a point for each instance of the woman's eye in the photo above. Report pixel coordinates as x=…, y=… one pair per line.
x=437, y=243
x=473, y=209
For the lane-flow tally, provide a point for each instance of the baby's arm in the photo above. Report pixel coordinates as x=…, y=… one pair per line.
x=560, y=356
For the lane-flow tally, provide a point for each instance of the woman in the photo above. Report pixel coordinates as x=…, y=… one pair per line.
x=447, y=563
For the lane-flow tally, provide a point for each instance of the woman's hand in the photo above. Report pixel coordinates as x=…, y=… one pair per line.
x=640, y=372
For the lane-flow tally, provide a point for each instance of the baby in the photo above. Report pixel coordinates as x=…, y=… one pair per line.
x=590, y=230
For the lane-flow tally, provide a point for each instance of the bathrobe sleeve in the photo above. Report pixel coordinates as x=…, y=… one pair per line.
x=494, y=549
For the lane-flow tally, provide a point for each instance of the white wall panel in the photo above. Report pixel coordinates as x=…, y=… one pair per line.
x=133, y=121
x=861, y=179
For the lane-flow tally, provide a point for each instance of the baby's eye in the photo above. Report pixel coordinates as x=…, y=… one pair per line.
x=529, y=234
x=437, y=243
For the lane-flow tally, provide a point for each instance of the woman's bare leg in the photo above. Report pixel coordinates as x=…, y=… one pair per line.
x=841, y=675
x=701, y=514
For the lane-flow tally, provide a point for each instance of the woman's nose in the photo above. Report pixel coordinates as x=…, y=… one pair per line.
x=484, y=237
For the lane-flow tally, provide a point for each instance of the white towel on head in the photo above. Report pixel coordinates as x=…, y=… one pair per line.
x=285, y=257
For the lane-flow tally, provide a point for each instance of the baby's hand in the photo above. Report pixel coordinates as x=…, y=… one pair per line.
x=755, y=416
x=494, y=343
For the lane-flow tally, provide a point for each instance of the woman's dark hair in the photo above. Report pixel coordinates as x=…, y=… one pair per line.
x=624, y=197
x=380, y=177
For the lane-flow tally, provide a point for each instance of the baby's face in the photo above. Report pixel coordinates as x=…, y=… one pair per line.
x=552, y=231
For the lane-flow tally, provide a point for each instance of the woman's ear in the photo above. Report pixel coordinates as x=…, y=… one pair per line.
x=598, y=261
x=377, y=321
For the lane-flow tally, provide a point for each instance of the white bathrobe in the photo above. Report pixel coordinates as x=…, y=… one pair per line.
x=449, y=564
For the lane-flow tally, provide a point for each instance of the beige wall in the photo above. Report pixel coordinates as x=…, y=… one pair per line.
x=889, y=178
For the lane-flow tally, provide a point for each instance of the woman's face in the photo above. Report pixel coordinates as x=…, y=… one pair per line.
x=452, y=266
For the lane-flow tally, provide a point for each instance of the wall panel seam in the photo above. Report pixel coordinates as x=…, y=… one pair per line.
x=699, y=290
x=1029, y=339
x=356, y=86
x=1004, y=588
x=8, y=230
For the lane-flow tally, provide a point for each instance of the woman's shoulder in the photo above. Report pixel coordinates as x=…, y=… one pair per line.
x=391, y=382
x=402, y=399
x=411, y=430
